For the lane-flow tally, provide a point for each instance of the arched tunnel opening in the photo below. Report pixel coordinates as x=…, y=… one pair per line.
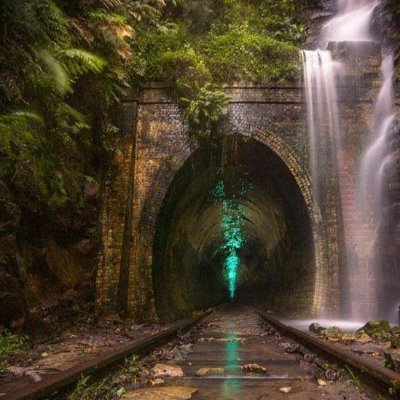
x=233, y=226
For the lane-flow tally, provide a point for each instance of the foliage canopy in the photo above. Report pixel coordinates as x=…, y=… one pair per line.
x=66, y=63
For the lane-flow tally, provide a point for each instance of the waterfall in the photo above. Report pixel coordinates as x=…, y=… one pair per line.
x=322, y=107
x=351, y=24
x=372, y=162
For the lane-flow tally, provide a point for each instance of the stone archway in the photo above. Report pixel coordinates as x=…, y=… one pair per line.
x=152, y=155
x=165, y=177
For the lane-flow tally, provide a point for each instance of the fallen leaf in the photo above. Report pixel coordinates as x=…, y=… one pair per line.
x=209, y=371
x=157, y=381
x=253, y=368
x=285, y=389
x=321, y=382
x=167, y=370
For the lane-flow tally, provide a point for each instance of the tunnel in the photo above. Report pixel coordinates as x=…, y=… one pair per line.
x=233, y=227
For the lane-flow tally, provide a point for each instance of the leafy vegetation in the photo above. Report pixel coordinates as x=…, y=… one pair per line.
x=10, y=343
x=203, y=109
x=62, y=69
x=109, y=388
x=223, y=41
x=65, y=64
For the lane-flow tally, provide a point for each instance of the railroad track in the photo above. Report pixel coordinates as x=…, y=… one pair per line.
x=383, y=379
x=236, y=354
x=62, y=381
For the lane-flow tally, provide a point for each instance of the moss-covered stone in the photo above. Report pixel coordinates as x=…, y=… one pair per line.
x=315, y=327
x=333, y=333
x=380, y=329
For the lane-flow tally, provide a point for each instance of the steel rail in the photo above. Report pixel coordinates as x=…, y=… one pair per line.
x=61, y=381
x=381, y=378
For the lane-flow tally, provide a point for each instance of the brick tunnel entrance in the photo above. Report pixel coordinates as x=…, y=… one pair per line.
x=276, y=255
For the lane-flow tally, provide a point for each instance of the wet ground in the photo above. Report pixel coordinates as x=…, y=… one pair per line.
x=235, y=356
x=79, y=344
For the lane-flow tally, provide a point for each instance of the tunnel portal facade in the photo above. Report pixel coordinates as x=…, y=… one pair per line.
x=154, y=149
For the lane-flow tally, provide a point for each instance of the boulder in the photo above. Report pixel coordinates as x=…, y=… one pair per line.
x=161, y=370
x=395, y=340
x=315, y=327
x=363, y=337
x=380, y=329
x=391, y=360
x=333, y=333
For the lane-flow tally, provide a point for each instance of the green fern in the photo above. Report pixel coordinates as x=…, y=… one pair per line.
x=203, y=109
x=19, y=129
x=53, y=74
x=79, y=61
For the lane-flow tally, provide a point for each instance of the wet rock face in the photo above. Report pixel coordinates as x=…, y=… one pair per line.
x=12, y=303
x=12, y=307
x=318, y=13
x=46, y=273
x=388, y=237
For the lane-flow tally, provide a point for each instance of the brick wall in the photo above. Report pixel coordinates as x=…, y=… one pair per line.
x=155, y=147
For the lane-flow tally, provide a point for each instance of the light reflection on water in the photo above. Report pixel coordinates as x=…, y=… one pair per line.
x=232, y=387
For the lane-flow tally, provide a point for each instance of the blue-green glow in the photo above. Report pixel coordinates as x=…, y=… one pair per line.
x=231, y=224
x=231, y=387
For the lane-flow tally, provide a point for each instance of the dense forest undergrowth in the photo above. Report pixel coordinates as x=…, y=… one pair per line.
x=64, y=66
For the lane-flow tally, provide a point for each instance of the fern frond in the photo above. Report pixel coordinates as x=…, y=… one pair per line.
x=79, y=61
x=111, y=4
x=20, y=129
x=55, y=71
x=109, y=18
x=53, y=22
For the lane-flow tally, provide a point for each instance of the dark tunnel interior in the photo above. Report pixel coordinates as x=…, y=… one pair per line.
x=233, y=227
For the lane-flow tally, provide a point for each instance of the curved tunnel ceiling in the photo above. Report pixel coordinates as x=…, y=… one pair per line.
x=188, y=270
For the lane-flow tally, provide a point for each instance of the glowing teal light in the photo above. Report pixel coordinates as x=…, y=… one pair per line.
x=231, y=224
x=232, y=388
x=232, y=263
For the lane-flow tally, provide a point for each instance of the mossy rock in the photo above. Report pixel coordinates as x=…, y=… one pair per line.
x=391, y=360
x=316, y=328
x=395, y=340
x=333, y=333
x=380, y=329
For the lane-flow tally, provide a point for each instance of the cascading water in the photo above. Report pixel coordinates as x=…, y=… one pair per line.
x=322, y=110
x=351, y=24
x=371, y=172
x=372, y=162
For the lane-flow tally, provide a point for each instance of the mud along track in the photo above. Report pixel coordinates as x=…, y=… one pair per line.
x=65, y=379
